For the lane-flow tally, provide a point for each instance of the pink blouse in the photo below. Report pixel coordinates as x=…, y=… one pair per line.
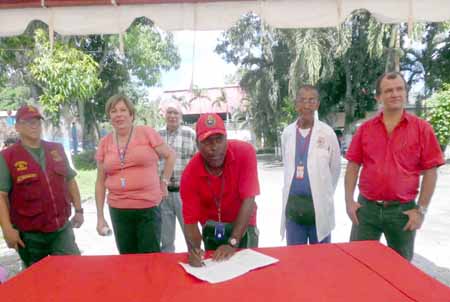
x=137, y=185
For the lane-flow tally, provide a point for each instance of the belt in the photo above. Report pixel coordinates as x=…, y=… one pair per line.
x=386, y=203
x=381, y=203
x=173, y=188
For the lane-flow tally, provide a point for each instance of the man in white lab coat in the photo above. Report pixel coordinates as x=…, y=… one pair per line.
x=311, y=159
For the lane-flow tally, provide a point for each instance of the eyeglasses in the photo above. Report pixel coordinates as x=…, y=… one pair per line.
x=309, y=101
x=34, y=122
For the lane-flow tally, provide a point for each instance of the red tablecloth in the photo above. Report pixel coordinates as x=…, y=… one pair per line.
x=357, y=271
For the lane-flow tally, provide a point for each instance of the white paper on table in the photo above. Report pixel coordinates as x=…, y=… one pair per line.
x=239, y=264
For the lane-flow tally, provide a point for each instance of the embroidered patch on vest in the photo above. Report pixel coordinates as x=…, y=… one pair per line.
x=21, y=165
x=55, y=155
x=21, y=178
x=321, y=142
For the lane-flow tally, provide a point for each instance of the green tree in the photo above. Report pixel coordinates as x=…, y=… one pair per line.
x=343, y=63
x=361, y=64
x=439, y=115
x=263, y=59
x=313, y=53
x=222, y=100
x=16, y=54
x=430, y=62
x=11, y=97
x=148, y=52
x=148, y=113
x=64, y=73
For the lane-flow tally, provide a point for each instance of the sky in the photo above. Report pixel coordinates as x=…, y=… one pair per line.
x=209, y=68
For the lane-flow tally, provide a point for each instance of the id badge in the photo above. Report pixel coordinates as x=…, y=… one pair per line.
x=219, y=231
x=300, y=172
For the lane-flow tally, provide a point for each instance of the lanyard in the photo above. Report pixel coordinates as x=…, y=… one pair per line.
x=217, y=198
x=123, y=153
x=171, y=138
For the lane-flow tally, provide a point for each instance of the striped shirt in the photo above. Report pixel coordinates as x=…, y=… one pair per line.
x=182, y=141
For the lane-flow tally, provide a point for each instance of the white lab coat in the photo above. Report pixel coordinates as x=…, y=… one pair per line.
x=324, y=166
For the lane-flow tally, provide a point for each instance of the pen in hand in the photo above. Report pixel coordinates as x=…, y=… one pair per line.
x=195, y=255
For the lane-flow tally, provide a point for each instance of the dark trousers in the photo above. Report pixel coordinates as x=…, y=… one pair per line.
x=375, y=220
x=249, y=239
x=137, y=230
x=39, y=245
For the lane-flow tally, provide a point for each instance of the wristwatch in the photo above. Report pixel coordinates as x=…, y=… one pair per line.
x=79, y=211
x=233, y=242
x=422, y=210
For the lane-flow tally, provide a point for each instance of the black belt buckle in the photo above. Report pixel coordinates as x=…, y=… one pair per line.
x=173, y=188
x=386, y=203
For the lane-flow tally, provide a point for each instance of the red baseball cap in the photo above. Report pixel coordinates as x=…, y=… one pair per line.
x=209, y=124
x=27, y=112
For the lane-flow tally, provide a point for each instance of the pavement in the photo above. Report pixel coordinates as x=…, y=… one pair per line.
x=432, y=247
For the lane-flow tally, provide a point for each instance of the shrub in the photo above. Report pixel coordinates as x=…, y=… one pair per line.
x=439, y=115
x=267, y=150
x=85, y=160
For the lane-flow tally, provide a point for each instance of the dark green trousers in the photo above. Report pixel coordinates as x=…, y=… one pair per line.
x=375, y=220
x=249, y=239
x=39, y=245
x=137, y=230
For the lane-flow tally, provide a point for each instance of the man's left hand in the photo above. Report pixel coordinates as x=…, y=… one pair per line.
x=415, y=220
x=164, y=190
x=223, y=252
x=77, y=220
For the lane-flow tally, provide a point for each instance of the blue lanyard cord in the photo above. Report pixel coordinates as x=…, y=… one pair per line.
x=123, y=154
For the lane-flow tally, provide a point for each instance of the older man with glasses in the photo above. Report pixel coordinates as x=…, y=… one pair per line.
x=311, y=158
x=37, y=186
x=182, y=140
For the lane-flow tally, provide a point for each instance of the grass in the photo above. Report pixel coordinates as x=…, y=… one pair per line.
x=86, y=183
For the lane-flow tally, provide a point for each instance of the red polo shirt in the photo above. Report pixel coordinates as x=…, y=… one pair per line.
x=391, y=164
x=240, y=178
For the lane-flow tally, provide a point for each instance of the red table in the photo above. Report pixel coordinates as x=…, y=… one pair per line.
x=357, y=271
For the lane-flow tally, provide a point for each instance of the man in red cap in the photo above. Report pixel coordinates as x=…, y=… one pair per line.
x=218, y=189
x=37, y=186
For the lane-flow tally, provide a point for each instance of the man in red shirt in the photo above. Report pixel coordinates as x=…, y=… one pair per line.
x=394, y=148
x=218, y=189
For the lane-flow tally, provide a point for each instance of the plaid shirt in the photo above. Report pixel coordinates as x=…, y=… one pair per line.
x=182, y=141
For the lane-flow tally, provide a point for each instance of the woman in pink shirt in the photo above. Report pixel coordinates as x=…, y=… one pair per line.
x=127, y=168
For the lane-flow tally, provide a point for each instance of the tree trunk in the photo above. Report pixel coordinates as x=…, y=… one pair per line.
x=349, y=101
x=393, y=57
x=96, y=129
x=81, y=114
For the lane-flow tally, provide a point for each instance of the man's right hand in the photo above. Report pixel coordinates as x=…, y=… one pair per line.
x=196, y=257
x=352, y=209
x=12, y=238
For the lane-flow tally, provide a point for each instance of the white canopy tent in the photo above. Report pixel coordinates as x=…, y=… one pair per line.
x=75, y=18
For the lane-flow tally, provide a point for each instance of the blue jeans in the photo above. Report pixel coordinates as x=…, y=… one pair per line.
x=302, y=234
x=170, y=212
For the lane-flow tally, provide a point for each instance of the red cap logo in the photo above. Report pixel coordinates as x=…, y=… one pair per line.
x=209, y=124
